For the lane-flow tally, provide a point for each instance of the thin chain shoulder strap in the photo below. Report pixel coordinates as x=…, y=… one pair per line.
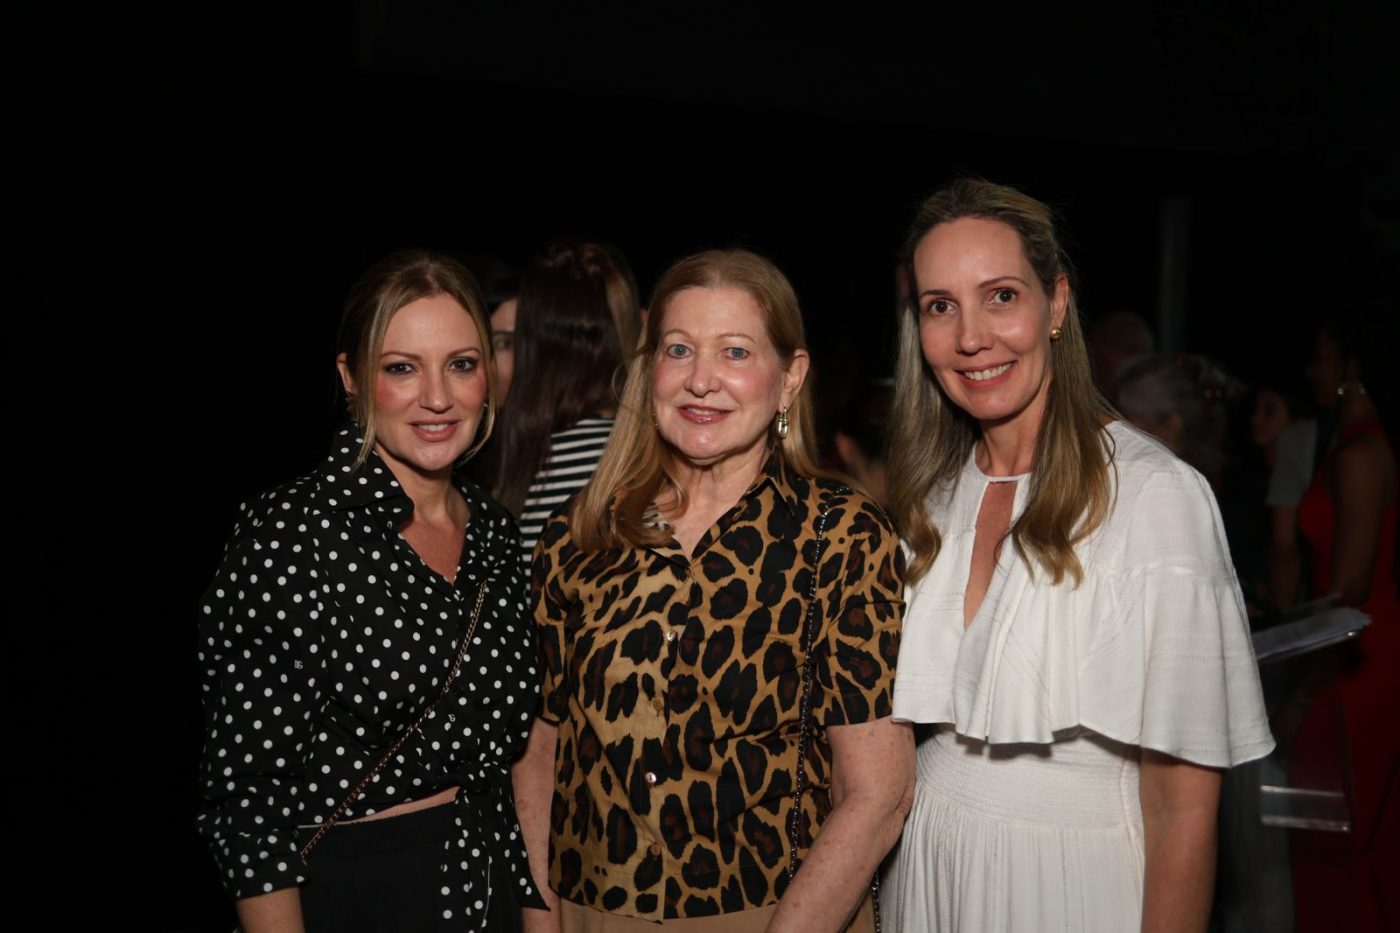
x=359, y=788
x=804, y=707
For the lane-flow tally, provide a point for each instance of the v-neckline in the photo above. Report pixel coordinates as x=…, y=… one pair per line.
x=996, y=530
x=996, y=581
x=462, y=552
x=450, y=583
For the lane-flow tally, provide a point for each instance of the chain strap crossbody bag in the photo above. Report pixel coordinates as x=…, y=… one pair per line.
x=379, y=766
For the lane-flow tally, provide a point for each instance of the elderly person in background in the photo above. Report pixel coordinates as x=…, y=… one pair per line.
x=718, y=624
x=1075, y=637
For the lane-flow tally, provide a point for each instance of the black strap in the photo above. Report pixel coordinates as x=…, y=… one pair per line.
x=404, y=736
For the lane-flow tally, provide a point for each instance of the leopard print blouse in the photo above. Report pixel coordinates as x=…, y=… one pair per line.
x=675, y=683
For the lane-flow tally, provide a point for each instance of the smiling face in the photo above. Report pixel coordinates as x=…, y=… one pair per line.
x=717, y=382
x=430, y=387
x=985, y=320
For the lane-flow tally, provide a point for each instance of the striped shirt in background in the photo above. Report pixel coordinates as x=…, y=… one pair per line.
x=573, y=456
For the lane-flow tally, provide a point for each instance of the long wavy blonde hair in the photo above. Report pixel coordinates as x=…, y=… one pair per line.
x=638, y=466
x=1071, y=489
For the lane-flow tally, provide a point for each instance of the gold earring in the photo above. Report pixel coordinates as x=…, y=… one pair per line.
x=1054, y=334
x=782, y=424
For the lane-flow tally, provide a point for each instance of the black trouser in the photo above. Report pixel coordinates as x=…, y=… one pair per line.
x=386, y=875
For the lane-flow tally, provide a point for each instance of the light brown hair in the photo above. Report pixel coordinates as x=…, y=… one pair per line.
x=624, y=300
x=638, y=466
x=395, y=281
x=1070, y=491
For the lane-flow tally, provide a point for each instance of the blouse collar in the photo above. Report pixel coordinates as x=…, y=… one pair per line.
x=789, y=488
x=785, y=483
x=342, y=486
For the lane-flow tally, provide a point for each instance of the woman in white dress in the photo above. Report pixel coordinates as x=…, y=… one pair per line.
x=1075, y=641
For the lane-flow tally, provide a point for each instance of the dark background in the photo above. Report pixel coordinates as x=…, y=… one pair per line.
x=202, y=188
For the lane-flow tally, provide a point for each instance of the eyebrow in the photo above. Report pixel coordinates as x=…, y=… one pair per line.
x=991, y=281
x=415, y=356
x=727, y=335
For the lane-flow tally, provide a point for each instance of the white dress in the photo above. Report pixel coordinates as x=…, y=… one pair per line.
x=1026, y=814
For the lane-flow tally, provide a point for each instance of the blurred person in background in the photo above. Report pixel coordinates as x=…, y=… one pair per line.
x=1348, y=519
x=860, y=438
x=1286, y=432
x=503, y=298
x=1116, y=340
x=1276, y=408
x=569, y=348
x=1181, y=400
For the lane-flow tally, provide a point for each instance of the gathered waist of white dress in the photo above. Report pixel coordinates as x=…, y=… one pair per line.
x=1081, y=781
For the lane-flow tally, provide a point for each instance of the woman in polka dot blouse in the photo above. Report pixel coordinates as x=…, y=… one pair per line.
x=333, y=623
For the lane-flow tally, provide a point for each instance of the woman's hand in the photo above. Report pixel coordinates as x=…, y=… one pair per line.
x=1180, y=801
x=533, y=778
x=872, y=788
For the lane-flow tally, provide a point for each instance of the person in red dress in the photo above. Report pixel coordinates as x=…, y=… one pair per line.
x=1348, y=517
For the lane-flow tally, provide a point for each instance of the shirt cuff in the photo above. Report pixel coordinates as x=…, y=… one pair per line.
x=253, y=865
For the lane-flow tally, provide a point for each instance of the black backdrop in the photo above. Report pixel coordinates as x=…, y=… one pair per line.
x=208, y=192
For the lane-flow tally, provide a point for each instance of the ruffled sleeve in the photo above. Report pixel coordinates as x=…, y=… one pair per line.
x=1171, y=666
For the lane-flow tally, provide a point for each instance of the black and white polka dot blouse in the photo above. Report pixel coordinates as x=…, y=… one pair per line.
x=321, y=638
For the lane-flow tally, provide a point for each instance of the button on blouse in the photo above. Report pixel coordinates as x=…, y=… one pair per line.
x=322, y=637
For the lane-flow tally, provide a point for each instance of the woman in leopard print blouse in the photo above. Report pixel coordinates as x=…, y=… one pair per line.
x=671, y=601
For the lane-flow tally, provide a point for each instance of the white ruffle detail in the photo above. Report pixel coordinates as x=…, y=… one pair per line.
x=1152, y=648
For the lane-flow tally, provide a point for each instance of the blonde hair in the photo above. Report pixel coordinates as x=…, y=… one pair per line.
x=395, y=281
x=638, y=465
x=1070, y=488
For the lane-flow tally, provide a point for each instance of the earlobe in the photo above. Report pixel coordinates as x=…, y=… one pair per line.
x=346, y=380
